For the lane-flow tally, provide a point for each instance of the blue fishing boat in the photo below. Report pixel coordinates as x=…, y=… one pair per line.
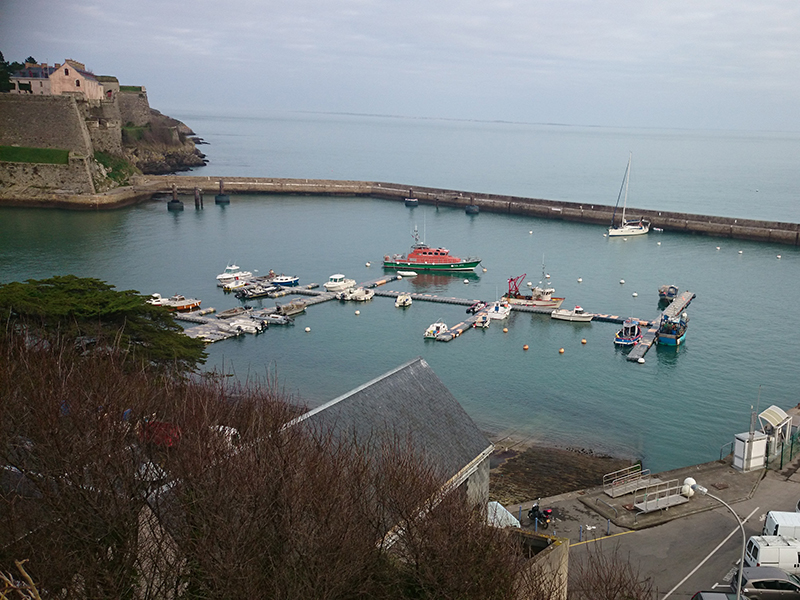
x=672, y=330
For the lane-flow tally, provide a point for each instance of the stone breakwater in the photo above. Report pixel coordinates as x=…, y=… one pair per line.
x=145, y=187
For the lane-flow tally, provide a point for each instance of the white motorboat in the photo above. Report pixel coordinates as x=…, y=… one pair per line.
x=278, y=319
x=236, y=284
x=177, y=302
x=232, y=273
x=576, y=314
x=435, y=329
x=499, y=310
x=247, y=325
x=358, y=294
x=627, y=227
x=482, y=321
x=338, y=283
x=403, y=300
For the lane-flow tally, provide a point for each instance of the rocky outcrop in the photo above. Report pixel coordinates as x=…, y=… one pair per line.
x=166, y=146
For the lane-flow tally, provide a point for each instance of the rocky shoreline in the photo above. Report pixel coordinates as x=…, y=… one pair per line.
x=521, y=471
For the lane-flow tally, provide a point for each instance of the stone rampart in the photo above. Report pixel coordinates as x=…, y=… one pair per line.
x=134, y=108
x=74, y=178
x=43, y=122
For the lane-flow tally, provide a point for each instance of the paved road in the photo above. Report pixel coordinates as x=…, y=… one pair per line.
x=686, y=548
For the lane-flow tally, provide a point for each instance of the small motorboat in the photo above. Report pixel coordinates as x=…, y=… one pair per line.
x=499, y=310
x=630, y=334
x=278, y=319
x=233, y=312
x=236, y=284
x=407, y=273
x=403, y=300
x=338, y=283
x=435, y=329
x=357, y=295
x=247, y=325
x=474, y=308
x=178, y=303
x=577, y=314
x=285, y=280
x=291, y=308
x=667, y=293
x=257, y=291
x=482, y=321
x=231, y=273
x=412, y=202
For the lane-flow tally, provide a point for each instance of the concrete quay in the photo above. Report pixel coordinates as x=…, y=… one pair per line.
x=685, y=548
x=745, y=229
x=145, y=187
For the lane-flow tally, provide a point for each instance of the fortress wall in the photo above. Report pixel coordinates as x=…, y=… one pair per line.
x=43, y=122
x=134, y=108
x=75, y=178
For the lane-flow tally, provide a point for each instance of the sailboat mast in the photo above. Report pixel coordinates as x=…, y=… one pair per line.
x=623, y=186
x=627, y=179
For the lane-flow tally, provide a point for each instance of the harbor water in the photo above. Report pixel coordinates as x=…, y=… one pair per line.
x=679, y=407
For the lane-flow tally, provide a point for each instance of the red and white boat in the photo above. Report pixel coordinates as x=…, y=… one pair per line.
x=424, y=258
x=540, y=296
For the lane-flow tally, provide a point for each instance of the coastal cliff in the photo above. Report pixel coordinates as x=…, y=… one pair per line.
x=164, y=146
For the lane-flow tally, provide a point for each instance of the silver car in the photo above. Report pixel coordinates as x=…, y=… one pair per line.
x=767, y=583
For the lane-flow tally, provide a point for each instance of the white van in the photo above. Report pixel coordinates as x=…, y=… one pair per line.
x=773, y=551
x=786, y=524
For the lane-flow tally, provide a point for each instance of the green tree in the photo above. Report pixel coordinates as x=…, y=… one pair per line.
x=92, y=311
x=5, y=75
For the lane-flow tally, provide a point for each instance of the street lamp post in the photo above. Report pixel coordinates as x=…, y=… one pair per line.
x=704, y=491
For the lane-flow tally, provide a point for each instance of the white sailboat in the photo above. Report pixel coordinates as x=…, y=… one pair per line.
x=631, y=226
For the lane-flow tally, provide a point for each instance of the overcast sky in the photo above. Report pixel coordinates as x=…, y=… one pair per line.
x=720, y=64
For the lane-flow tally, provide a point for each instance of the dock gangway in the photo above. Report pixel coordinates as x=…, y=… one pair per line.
x=627, y=480
x=659, y=496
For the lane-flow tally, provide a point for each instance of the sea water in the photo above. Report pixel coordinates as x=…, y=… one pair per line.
x=680, y=407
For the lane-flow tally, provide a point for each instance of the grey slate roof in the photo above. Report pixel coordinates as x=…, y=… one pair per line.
x=409, y=402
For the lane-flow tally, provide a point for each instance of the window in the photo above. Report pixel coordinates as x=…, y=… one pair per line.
x=77, y=83
x=66, y=72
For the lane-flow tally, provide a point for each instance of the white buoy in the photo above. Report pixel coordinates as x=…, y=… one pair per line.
x=399, y=276
x=717, y=247
x=604, y=235
x=529, y=284
x=547, y=275
x=622, y=281
x=466, y=281
x=641, y=360
x=624, y=239
x=368, y=264
x=530, y=232
x=635, y=294
x=779, y=255
x=740, y=251
x=484, y=269
x=580, y=279
x=658, y=243
x=308, y=329
x=358, y=312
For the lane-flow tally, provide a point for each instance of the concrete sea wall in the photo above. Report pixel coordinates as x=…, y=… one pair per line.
x=743, y=229
x=146, y=186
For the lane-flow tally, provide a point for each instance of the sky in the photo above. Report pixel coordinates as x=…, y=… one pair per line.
x=716, y=64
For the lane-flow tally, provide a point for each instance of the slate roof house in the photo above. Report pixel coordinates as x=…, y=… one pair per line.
x=412, y=403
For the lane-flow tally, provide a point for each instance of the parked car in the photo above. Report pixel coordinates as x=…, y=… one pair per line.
x=767, y=583
x=716, y=595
